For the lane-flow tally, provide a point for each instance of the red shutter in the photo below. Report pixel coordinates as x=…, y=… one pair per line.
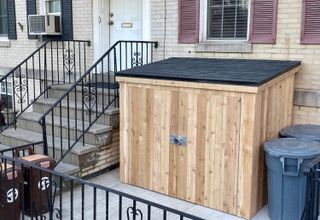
x=263, y=23
x=310, y=27
x=189, y=21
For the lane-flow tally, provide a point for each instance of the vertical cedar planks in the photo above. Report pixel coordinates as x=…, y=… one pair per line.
x=233, y=113
x=223, y=165
x=124, y=124
x=200, y=146
x=182, y=152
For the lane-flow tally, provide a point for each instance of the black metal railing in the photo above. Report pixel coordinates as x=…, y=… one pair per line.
x=54, y=62
x=22, y=150
x=88, y=98
x=312, y=171
x=31, y=192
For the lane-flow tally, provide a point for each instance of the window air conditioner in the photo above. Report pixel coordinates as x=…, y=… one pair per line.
x=44, y=24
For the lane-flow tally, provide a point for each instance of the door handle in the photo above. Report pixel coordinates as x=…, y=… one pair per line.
x=99, y=19
x=111, y=23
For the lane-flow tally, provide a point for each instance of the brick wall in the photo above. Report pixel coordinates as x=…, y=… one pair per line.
x=288, y=47
x=19, y=49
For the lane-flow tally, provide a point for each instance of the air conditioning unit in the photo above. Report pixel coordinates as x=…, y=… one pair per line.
x=44, y=24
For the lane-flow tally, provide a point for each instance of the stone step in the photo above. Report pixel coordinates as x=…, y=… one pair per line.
x=68, y=169
x=80, y=155
x=102, y=95
x=98, y=134
x=110, y=117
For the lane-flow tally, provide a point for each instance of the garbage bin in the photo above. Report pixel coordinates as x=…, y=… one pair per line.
x=37, y=185
x=285, y=159
x=10, y=180
x=305, y=132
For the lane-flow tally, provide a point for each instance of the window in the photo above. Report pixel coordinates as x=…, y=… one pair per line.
x=53, y=7
x=3, y=19
x=6, y=93
x=227, y=19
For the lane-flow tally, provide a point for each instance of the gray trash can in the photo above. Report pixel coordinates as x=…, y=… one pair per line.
x=305, y=132
x=285, y=159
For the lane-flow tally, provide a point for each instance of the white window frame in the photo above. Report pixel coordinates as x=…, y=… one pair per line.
x=44, y=8
x=4, y=37
x=204, y=24
x=9, y=92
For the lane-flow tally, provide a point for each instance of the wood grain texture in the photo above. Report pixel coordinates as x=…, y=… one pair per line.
x=222, y=166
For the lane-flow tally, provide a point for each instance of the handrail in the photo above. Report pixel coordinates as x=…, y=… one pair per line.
x=54, y=62
x=22, y=62
x=86, y=109
x=23, y=148
x=37, y=50
x=88, y=72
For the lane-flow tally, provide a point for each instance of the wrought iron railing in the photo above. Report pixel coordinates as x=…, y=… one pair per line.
x=312, y=171
x=30, y=190
x=22, y=150
x=88, y=98
x=54, y=62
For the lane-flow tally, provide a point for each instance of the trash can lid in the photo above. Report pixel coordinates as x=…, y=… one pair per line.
x=307, y=132
x=292, y=148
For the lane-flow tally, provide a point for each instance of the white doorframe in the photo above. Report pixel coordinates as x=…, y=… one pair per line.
x=146, y=20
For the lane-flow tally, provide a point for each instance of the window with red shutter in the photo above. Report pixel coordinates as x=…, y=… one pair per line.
x=310, y=26
x=263, y=21
x=189, y=21
x=227, y=19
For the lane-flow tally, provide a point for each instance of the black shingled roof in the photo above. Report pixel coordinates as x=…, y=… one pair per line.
x=226, y=71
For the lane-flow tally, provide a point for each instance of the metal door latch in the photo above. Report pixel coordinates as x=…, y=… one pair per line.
x=178, y=140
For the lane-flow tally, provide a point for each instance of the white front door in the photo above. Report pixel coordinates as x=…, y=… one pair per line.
x=126, y=20
x=101, y=27
x=116, y=20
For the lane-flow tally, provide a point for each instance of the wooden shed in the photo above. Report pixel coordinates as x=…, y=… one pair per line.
x=224, y=110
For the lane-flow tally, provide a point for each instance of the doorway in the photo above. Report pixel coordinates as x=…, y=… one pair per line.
x=118, y=20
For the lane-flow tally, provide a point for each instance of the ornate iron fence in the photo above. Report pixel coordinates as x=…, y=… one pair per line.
x=32, y=192
x=312, y=171
x=90, y=96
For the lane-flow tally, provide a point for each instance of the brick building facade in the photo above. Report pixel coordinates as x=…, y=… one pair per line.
x=164, y=28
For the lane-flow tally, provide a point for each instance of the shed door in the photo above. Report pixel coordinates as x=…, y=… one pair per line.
x=205, y=170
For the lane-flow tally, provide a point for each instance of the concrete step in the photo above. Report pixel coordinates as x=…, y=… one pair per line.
x=80, y=155
x=82, y=93
x=98, y=134
x=6, y=147
x=110, y=117
x=68, y=169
